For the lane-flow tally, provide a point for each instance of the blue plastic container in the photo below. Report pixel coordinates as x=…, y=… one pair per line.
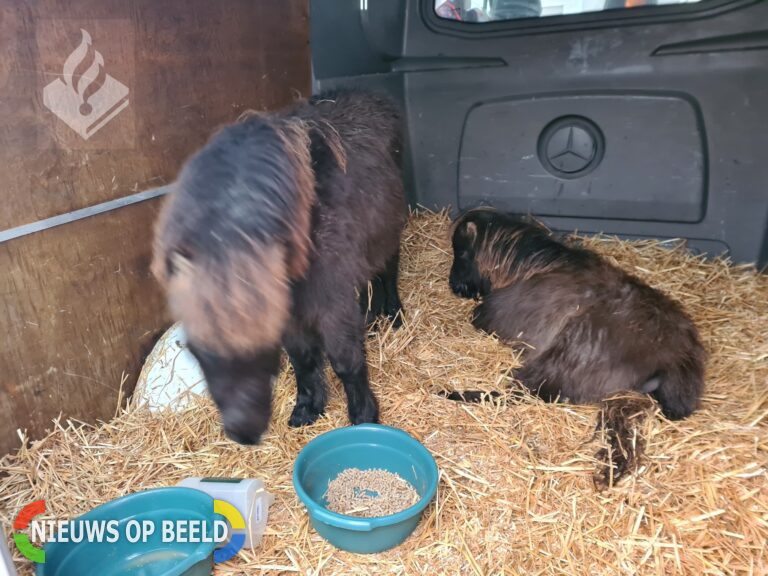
x=365, y=446
x=151, y=558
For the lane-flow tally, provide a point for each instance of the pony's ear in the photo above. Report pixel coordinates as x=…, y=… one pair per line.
x=471, y=231
x=464, y=228
x=179, y=260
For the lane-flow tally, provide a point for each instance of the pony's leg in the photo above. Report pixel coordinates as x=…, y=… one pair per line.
x=482, y=318
x=393, y=308
x=343, y=335
x=306, y=355
x=372, y=304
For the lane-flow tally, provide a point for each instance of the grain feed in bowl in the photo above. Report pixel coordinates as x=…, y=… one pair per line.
x=369, y=493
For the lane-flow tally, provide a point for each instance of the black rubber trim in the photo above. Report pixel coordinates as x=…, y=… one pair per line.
x=730, y=43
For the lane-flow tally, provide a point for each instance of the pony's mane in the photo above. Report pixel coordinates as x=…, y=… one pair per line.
x=514, y=249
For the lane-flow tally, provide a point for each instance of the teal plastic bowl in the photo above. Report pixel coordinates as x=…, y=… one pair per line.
x=151, y=558
x=364, y=446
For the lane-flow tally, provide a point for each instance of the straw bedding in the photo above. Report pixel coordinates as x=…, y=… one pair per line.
x=516, y=493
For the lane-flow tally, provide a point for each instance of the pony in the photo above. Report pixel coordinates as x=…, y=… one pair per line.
x=271, y=232
x=591, y=330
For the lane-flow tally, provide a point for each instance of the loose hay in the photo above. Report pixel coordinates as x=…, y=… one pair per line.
x=369, y=493
x=516, y=493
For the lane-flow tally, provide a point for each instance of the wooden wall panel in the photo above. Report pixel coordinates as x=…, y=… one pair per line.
x=78, y=306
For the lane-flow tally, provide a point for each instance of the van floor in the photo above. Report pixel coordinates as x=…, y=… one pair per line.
x=516, y=492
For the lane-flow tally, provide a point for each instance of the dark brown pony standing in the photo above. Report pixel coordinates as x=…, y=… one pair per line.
x=270, y=233
x=590, y=329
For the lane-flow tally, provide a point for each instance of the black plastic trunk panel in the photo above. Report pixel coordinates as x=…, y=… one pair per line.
x=510, y=159
x=676, y=96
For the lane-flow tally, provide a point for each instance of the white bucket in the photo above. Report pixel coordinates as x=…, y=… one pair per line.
x=171, y=376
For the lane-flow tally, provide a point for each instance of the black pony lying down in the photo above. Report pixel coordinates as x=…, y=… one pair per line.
x=591, y=330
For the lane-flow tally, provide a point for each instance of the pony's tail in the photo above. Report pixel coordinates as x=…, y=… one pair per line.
x=620, y=420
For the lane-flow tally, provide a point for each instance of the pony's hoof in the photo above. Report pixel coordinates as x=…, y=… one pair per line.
x=303, y=415
x=367, y=413
x=396, y=317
